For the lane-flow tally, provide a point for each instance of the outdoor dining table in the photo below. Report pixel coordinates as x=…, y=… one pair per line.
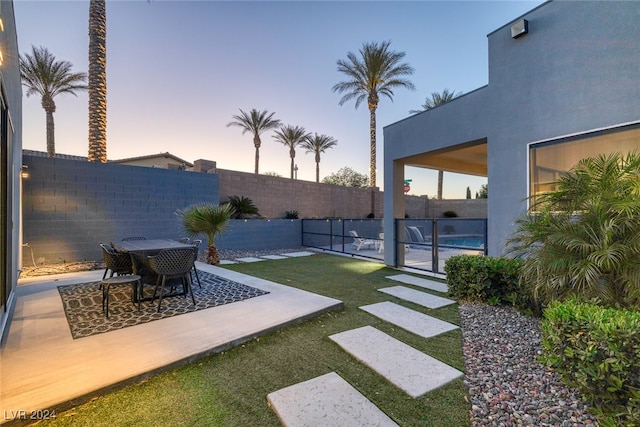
x=141, y=249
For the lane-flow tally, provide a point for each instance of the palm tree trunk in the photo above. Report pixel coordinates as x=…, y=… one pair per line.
x=440, y=177
x=317, y=171
x=292, y=154
x=97, y=83
x=213, y=257
x=51, y=143
x=257, y=143
x=49, y=107
x=372, y=135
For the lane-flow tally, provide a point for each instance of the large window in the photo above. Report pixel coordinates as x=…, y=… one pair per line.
x=549, y=160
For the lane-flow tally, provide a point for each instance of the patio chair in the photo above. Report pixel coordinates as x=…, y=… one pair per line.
x=360, y=242
x=196, y=243
x=136, y=292
x=127, y=239
x=173, y=264
x=115, y=262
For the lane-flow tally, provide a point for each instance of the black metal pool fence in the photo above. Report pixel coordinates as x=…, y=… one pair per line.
x=427, y=243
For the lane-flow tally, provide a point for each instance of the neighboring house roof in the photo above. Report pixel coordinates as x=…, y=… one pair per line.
x=166, y=155
x=127, y=160
x=59, y=156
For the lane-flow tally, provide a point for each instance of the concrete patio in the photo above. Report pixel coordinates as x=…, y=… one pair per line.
x=43, y=367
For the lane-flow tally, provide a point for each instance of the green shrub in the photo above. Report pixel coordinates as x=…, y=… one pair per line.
x=485, y=279
x=597, y=351
x=583, y=238
x=449, y=214
x=291, y=214
x=243, y=207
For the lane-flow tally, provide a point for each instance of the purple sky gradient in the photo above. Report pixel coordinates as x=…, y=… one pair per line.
x=178, y=70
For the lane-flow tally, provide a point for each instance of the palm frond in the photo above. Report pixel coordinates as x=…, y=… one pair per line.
x=42, y=74
x=583, y=238
x=211, y=220
x=376, y=69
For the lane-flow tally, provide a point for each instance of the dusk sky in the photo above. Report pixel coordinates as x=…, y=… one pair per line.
x=178, y=70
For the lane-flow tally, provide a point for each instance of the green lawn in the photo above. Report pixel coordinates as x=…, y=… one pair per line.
x=230, y=388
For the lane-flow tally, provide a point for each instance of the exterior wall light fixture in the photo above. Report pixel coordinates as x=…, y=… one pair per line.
x=520, y=28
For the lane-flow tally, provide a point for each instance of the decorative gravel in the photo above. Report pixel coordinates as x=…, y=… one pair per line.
x=507, y=385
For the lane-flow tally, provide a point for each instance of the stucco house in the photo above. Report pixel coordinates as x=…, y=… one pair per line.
x=564, y=84
x=160, y=160
x=10, y=162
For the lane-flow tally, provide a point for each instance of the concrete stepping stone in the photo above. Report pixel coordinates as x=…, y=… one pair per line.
x=299, y=254
x=423, y=283
x=327, y=401
x=250, y=259
x=418, y=323
x=421, y=298
x=402, y=365
x=273, y=257
x=227, y=262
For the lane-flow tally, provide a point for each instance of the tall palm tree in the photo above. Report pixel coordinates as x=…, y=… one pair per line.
x=432, y=102
x=256, y=122
x=97, y=81
x=377, y=71
x=42, y=74
x=291, y=136
x=318, y=144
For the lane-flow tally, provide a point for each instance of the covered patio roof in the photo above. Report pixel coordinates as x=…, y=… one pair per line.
x=469, y=158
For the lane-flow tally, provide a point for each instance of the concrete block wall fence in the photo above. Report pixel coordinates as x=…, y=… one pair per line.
x=69, y=205
x=259, y=234
x=275, y=195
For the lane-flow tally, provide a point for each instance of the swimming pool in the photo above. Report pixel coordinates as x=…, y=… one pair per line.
x=467, y=242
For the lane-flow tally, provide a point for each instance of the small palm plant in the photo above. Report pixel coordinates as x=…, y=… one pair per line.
x=583, y=239
x=211, y=220
x=243, y=207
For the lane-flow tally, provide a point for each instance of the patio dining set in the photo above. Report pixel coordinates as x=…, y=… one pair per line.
x=167, y=264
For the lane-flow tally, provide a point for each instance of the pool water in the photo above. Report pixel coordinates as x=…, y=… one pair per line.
x=462, y=241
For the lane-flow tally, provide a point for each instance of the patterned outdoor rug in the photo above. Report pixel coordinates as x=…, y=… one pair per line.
x=83, y=303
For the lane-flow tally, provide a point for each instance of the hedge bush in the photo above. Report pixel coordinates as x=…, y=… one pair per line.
x=597, y=351
x=485, y=279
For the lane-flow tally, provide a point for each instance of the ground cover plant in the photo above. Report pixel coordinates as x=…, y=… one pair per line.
x=596, y=351
x=230, y=388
